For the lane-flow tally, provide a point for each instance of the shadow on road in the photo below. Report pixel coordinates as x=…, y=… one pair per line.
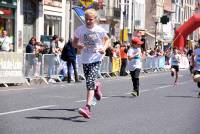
x=59, y=109
x=195, y=97
x=73, y=119
x=121, y=96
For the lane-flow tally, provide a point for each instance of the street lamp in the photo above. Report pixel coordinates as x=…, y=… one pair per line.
x=156, y=23
x=70, y=20
x=124, y=17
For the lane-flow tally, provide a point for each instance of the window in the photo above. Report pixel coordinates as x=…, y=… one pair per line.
x=52, y=25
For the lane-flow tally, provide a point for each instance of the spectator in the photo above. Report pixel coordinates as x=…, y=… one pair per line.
x=5, y=42
x=30, y=56
x=54, y=59
x=70, y=53
x=123, y=55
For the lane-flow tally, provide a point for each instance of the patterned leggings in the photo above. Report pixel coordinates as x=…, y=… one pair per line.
x=91, y=71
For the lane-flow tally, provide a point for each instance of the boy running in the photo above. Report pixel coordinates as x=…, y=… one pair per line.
x=135, y=64
x=175, y=61
x=196, y=65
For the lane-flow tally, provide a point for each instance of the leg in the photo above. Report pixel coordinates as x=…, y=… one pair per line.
x=75, y=70
x=176, y=73
x=137, y=82
x=135, y=79
x=123, y=67
x=68, y=71
x=90, y=71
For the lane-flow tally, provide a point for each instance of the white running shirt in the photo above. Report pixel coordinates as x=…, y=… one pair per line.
x=197, y=59
x=92, y=40
x=136, y=61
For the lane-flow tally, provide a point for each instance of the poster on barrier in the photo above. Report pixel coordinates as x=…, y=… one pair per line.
x=11, y=67
x=161, y=62
x=115, y=65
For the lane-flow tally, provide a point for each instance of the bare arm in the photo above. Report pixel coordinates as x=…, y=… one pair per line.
x=75, y=43
x=106, y=42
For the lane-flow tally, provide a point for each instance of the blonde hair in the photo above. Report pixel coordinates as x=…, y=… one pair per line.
x=91, y=12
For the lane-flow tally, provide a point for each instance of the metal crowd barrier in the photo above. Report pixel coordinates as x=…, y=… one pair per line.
x=79, y=67
x=42, y=66
x=11, y=68
x=104, y=69
x=153, y=63
x=48, y=65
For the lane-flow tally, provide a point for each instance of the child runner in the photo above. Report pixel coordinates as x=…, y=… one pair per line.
x=196, y=65
x=175, y=61
x=135, y=64
x=92, y=40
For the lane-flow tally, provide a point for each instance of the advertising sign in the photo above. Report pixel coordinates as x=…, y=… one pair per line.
x=86, y=3
x=11, y=67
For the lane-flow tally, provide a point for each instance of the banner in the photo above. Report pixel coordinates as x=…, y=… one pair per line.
x=116, y=65
x=86, y=3
x=11, y=67
x=124, y=35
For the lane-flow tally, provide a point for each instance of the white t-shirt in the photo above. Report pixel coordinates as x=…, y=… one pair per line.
x=175, y=59
x=197, y=59
x=5, y=43
x=136, y=61
x=92, y=41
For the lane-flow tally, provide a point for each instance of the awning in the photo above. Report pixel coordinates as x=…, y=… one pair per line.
x=80, y=13
x=153, y=36
x=6, y=12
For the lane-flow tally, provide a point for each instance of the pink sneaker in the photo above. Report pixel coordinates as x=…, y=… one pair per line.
x=98, y=91
x=85, y=112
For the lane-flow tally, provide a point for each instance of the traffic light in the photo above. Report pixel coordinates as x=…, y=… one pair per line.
x=164, y=19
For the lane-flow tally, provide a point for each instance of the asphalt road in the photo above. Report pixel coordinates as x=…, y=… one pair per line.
x=162, y=108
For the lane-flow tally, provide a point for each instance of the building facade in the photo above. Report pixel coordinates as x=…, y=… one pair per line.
x=8, y=19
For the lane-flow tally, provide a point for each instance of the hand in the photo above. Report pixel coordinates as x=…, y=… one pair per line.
x=101, y=51
x=80, y=47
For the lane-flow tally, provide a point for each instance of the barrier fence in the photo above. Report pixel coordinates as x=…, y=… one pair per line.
x=49, y=66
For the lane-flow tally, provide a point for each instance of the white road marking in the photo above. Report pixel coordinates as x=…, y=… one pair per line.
x=18, y=89
x=29, y=109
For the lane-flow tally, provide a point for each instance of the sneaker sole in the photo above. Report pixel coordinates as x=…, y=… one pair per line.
x=134, y=94
x=84, y=114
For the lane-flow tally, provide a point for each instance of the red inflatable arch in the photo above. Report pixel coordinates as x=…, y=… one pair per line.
x=186, y=29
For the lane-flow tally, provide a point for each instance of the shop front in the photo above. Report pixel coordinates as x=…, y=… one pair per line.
x=7, y=17
x=11, y=63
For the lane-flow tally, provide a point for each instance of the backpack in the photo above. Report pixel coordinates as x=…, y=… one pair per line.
x=64, y=56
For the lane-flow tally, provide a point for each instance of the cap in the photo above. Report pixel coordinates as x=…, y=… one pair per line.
x=136, y=40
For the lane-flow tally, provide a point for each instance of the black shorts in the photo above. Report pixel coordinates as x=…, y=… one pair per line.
x=176, y=67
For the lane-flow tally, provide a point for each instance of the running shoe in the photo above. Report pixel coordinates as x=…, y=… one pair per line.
x=134, y=93
x=98, y=91
x=85, y=112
